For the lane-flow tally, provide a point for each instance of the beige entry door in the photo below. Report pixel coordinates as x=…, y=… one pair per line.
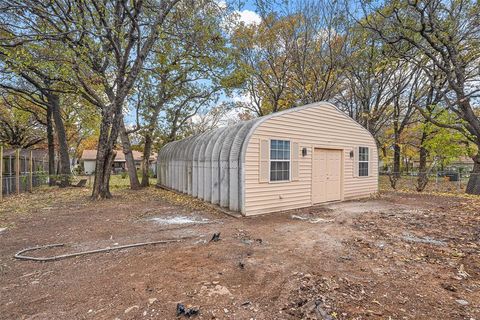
x=327, y=175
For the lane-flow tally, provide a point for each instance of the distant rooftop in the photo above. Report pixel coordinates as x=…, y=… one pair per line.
x=120, y=157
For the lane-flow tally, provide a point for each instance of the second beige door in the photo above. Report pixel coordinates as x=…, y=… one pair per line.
x=327, y=175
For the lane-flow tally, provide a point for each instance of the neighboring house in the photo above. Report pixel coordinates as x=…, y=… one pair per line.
x=462, y=164
x=119, y=163
x=290, y=159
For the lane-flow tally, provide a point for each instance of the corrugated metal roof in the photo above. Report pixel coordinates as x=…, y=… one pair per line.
x=207, y=165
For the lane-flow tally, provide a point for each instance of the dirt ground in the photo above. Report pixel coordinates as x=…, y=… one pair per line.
x=397, y=256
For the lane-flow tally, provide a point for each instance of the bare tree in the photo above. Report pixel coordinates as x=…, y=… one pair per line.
x=263, y=53
x=106, y=44
x=319, y=49
x=448, y=34
x=367, y=92
x=404, y=91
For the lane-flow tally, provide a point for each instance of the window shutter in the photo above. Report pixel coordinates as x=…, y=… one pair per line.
x=264, y=165
x=355, y=161
x=370, y=161
x=294, y=161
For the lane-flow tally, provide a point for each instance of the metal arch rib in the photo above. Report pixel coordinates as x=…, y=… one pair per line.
x=189, y=163
x=217, y=147
x=183, y=178
x=195, y=163
x=210, y=172
x=203, y=170
x=166, y=164
x=236, y=165
x=225, y=165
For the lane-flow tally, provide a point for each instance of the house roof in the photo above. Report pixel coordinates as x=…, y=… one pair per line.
x=463, y=160
x=120, y=157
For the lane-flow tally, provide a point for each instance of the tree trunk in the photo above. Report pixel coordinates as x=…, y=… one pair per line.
x=473, y=186
x=51, y=147
x=147, y=150
x=395, y=175
x=109, y=130
x=62, y=140
x=385, y=154
x=127, y=151
x=422, y=179
x=396, y=160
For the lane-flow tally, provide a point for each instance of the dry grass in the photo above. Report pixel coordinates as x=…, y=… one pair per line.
x=48, y=198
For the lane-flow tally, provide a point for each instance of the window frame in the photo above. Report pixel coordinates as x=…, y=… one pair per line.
x=364, y=161
x=270, y=160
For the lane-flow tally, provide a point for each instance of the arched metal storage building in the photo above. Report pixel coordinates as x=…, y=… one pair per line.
x=286, y=160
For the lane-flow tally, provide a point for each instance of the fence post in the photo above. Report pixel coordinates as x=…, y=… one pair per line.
x=1, y=173
x=30, y=178
x=17, y=170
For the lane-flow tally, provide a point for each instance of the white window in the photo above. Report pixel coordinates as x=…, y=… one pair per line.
x=279, y=160
x=363, y=161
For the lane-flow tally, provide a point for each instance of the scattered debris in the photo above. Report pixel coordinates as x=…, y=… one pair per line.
x=246, y=303
x=311, y=220
x=179, y=220
x=449, y=287
x=131, y=308
x=247, y=241
x=216, y=237
x=152, y=300
x=217, y=290
x=320, y=311
x=186, y=311
x=294, y=216
x=462, y=273
x=428, y=240
x=462, y=302
x=250, y=241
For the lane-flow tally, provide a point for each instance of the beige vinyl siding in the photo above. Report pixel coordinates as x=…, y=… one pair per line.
x=321, y=126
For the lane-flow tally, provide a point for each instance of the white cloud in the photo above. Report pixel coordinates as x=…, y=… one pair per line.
x=248, y=17
x=242, y=97
x=222, y=4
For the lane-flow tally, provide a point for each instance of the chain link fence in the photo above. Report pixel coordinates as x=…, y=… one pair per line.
x=27, y=181
x=23, y=170
x=442, y=181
